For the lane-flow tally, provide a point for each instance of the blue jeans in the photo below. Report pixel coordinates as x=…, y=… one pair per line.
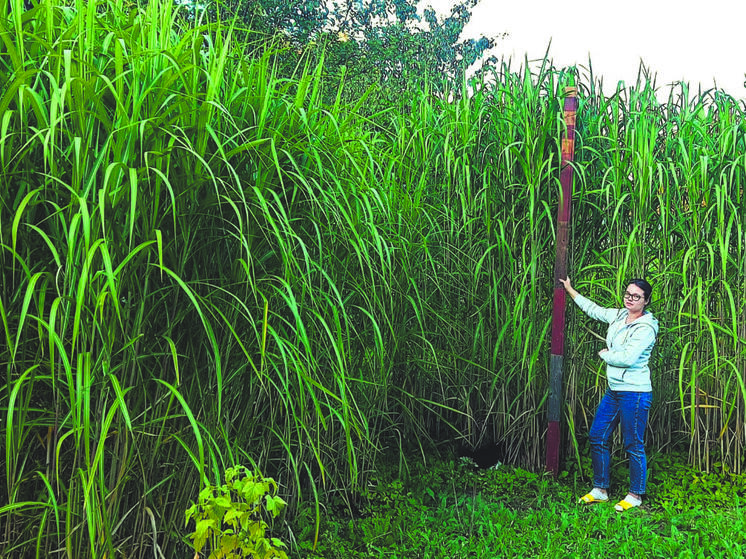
x=631, y=410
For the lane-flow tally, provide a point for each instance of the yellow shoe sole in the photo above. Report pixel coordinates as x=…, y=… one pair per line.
x=624, y=505
x=590, y=500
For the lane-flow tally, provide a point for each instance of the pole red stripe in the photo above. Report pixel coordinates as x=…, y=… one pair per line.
x=558, y=310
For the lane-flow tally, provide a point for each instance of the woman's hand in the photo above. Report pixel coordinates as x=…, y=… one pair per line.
x=602, y=351
x=568, y=286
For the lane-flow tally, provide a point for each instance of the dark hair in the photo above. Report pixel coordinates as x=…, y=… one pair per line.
x=647, y=289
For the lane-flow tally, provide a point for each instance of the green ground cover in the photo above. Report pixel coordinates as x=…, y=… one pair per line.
x=449, y=509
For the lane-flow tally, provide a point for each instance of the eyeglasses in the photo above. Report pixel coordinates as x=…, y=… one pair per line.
x=632, y=296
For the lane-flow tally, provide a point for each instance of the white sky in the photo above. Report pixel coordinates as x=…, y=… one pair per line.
x=697, y=42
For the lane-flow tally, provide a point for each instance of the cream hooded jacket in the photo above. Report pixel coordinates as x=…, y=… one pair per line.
x=629, y=346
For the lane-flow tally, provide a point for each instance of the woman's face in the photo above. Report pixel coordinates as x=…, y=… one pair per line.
x=634, y=292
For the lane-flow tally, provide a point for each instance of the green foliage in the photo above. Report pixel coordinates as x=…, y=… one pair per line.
x=386, y=44
x=679, y=486
x=452, y=511
x=230, y=518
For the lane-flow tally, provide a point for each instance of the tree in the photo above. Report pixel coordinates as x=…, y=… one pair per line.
x=379, y=42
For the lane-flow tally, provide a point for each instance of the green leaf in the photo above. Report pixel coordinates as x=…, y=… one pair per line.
x=224, y=502
x=202, y=533
x=253, y=491
x=191, y=512
x=231, y=515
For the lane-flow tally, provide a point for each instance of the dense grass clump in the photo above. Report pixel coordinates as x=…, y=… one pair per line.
x=207, y=263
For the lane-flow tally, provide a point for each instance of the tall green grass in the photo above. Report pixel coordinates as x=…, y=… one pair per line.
x=205, y=263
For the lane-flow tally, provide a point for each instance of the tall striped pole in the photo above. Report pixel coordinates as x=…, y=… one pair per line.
x=554, y=408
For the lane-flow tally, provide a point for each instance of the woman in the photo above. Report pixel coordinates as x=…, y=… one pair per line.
x=629, y=342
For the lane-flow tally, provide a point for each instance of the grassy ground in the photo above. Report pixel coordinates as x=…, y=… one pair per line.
x=452, y=510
